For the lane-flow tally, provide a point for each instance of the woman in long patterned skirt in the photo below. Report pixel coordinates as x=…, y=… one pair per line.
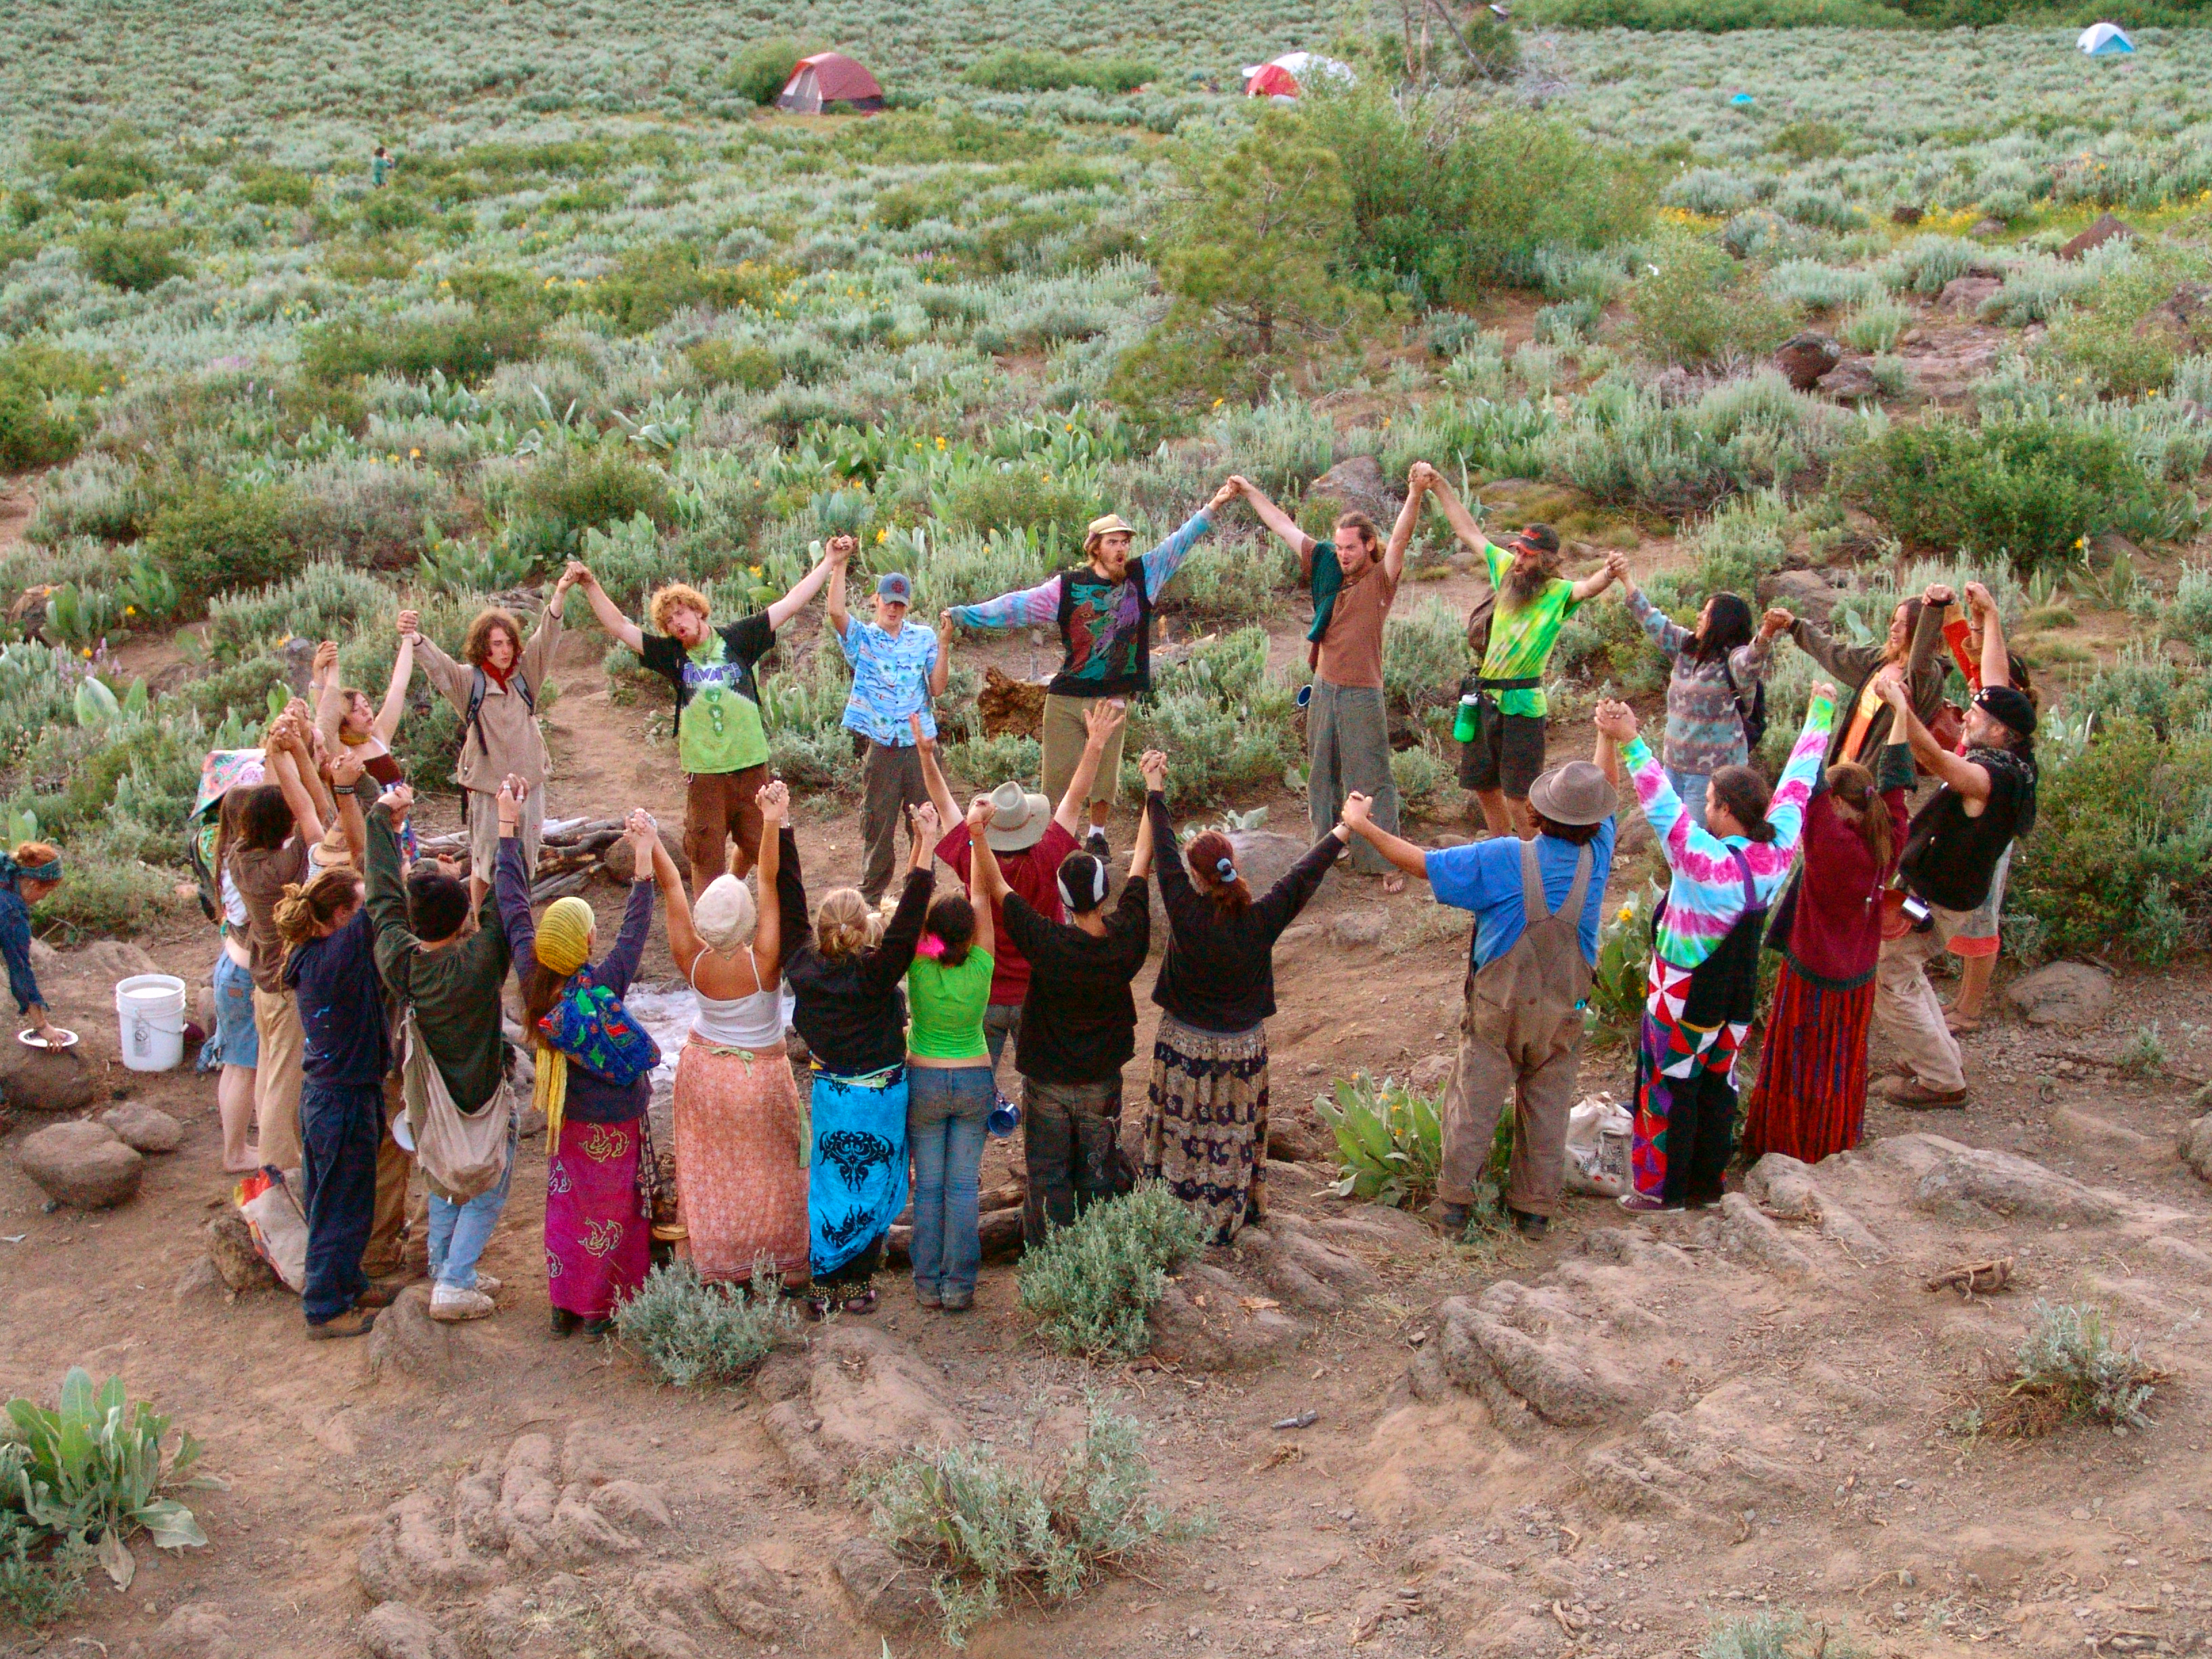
x=741, y=1163
x=1206, y=1120
x=1810, y=1098
x=592, y=1063
x=845, y=975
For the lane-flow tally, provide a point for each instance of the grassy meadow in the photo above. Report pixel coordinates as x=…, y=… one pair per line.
x=608, y=306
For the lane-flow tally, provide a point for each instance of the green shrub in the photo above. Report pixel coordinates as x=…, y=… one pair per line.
x=1026, y=69
x=2121, y=855
x=750, y=367
x=1425, y=657
x=1091, y=1287
x=1389, y=1142
x=988, y=1527
x=134, y=260
x=1701, y=306
x=690, y=1332
x=112, y=891
x=1618, y=985
x=267, y=186
x=651, y=284
x=598, y=486
x=1714, y=16
x=210, y=538
x=1224, y=726
x=2037, y=488
x=41, y=1579
x=2067, y=1371
x=1625, y=444
x=1010, y=494
x=460, y=344
x=763, y=68
x=34, y=431
x=2112, y=335
x=1777, y=1635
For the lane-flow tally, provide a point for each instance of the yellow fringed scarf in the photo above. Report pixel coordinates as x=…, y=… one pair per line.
x=564, y=944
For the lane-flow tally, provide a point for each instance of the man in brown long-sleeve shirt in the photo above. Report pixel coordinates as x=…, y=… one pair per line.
x=1915, y=639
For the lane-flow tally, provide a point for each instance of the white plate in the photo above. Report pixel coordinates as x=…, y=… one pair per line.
x=33, y=1040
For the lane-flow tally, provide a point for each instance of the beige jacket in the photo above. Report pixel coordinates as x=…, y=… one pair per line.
x=510, y=741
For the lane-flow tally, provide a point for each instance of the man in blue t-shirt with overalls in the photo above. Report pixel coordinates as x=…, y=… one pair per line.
x=1537, y=905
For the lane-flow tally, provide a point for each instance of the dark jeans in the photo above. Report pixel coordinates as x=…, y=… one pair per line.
x=891, y=779
x=946, y=1110
x=1070, y=1134
x=1002, y=1026
x=339, y=1129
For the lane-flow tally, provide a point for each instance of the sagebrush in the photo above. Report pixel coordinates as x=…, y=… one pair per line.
x=1089, y=1286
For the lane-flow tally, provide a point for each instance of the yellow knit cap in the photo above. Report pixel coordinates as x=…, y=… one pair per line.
x=564, y=935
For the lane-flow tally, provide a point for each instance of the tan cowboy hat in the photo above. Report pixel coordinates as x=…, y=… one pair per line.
x=1017, y=819
x=1111, y=524
x=1576, y=792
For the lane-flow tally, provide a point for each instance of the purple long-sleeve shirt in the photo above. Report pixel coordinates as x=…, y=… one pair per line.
x=592, y=1098
x=1039, y=607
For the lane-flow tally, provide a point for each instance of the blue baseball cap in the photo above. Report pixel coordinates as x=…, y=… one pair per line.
x=893, y=585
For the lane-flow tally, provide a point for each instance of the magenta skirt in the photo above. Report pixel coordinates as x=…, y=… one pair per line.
x=598, y=1240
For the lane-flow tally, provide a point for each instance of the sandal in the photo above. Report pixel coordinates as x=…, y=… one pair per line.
x=1394, y=883
x=1960, y=1025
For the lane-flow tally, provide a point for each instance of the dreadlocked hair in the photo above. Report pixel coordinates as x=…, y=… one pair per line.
x=308, y=908
x=1851, y=788
x=845, y=924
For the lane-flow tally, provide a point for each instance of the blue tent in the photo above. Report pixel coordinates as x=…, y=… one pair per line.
x=2105, y=40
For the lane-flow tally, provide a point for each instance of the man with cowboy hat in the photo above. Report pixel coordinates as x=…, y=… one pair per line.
x=1951, y=855
x=896, y=671
x=1030, y=839
x=1537, y=905
x=1103, y=611
x=1532, y=604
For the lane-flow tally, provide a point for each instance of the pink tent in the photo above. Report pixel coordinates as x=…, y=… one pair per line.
x=830, y=78
x=1272, y=80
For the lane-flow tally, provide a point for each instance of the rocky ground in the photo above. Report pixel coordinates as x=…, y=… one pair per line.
x=1604, y=1443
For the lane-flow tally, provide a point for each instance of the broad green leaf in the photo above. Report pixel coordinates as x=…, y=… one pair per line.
x=169, y=1524
x=96, y=704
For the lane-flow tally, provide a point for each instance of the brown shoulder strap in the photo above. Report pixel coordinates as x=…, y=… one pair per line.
x=1532, y=888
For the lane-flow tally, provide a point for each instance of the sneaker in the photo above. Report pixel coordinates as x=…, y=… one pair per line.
x=1095, y=844
x=1531, y=1226
x=450, y=1304
x=1910, y=1091
x=353, y=1321
x=924, y=1295
x=959, y=1300
x=1643, y=1206
x=488, y=1284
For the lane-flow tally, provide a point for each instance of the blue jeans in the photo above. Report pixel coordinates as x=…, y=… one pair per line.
x=458, y=1233
x=1002, y=1024
x=339, y=1127
x=235, y=1042
x=946, y=1111
x=1691, y=786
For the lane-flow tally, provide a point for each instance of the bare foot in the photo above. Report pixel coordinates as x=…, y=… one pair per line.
x=1960, y=1025
x=1394, y=883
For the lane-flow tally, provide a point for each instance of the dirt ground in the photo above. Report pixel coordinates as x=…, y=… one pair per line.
x=1766, y=1427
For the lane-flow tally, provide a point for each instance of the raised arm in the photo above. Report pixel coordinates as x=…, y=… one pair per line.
x=1969, y=780
x=1461, y=521
x=932, y=778
x=769, y=932
x=387, y=891
x=606, y=612
x=1177, y=896
x=329, y=701
x=1595, y=583
x=283, y=764
x=619, y=966
x=1102, y=719
x=1396, y=848
x=982, y=865
x=395, y=694
x=840, y=618
x=804, y=590
x=345, y=787
x=1163, y=560
x=445, y=673
x=1607, y=757
x=511, y=881
x=1786, y=811
x=1409, y=520
x=886, y=965
x=1278, y=907
x=1669, y=636
x=1146, y=844
x=545, y=638
x=1275, y=519
x=684, y=944
x=1662, y=807
x=1996, y=660
x=940, y=670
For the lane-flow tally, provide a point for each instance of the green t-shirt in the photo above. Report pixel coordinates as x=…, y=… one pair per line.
x=718, y=717
x=948, y=1007
x=1521, y=641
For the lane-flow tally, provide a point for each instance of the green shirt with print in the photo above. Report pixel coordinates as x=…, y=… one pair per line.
x=1521, y=641
x=720, y=729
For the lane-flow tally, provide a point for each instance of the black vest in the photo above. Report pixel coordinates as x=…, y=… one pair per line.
x=1106, y=632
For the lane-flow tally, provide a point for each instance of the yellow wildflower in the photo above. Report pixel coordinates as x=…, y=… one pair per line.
x=1624, y=913
x=1217, y=402
x=755, y=569
x=414, y=454
x=940, y=442
x=882, y=536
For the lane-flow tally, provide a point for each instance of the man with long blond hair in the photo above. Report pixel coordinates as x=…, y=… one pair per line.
x=720, y=737
x=495, y=689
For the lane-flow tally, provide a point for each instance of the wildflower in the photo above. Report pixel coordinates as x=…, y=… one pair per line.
x=940, y=442
x=882, y=536
x=1624, y=913
x=1217, y=402
x=394, y=459
x=414, y=454
x=755, y=569
x=129, y=610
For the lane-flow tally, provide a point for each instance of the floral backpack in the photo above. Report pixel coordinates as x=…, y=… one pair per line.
x=590, y=1026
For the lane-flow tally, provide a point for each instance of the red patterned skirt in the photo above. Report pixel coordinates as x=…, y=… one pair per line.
x=599, y=1238
x=1810, y=1099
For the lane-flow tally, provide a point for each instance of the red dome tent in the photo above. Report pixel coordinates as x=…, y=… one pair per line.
x=827, y=79
x=1272, y=80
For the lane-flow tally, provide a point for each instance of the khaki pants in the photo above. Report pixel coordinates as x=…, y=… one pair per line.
x=1065, y=732
x=716, y=806
x=1905, y=1009
x=890, y=781
x=1545, y=1094
x=277, y=1080
x=483, y=833
x=388, y=1233
x=1348, y=748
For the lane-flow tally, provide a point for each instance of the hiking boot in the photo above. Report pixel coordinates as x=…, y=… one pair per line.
x=450, y=1304
x=377, y=1296
x=1095, y=844
x=602, y=1326
x=959, y=1300
x=353, y=1321
x=1531, y=1226
x=1911, y=1092
x=925, y=1296
x=566, y=1323
x=1454, y=1217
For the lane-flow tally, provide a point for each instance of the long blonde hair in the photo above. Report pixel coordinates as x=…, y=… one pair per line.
x=307, y=908
x=845, y=924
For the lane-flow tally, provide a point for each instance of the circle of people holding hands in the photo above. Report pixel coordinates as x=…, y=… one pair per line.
x=361, y=1037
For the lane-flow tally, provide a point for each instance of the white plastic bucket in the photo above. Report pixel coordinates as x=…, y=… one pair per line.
x=151, y=1009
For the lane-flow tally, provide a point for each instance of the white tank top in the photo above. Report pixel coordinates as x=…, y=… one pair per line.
x=755, y=1022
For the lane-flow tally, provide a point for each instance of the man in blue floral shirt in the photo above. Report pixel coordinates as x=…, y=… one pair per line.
x=896, y=671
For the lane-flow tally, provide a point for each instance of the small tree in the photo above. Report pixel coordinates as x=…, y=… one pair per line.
x=1253, y=269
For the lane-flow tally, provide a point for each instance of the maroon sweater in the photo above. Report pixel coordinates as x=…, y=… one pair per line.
x=1835, y=925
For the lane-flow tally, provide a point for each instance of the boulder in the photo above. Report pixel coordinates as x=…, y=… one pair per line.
x=621, y=868
x=198, y=1280
x=2184, y=316
x=113, y=959
x=196, y=1630
x=1357, y=485
x=1746, y=1230
x=1986, y=228
x=1009, y=705
x=892, y=1596
x=230, y=1248
x=393, y=1629
x=1850, y=381
x=82, y=1164
x=2196, y=1146
x=1208, y=1319
x=1806, y=593
x=1805, y=357
x=406, y=1342
x=1263, y=857
x=144, y=1128
x=1962, y=297
x=37, y=1081
x=2062, y=993
x=1357, y=928
x=1975, y=1179
x=856, y=1396
x=1905, y=213
x=2105, y=227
